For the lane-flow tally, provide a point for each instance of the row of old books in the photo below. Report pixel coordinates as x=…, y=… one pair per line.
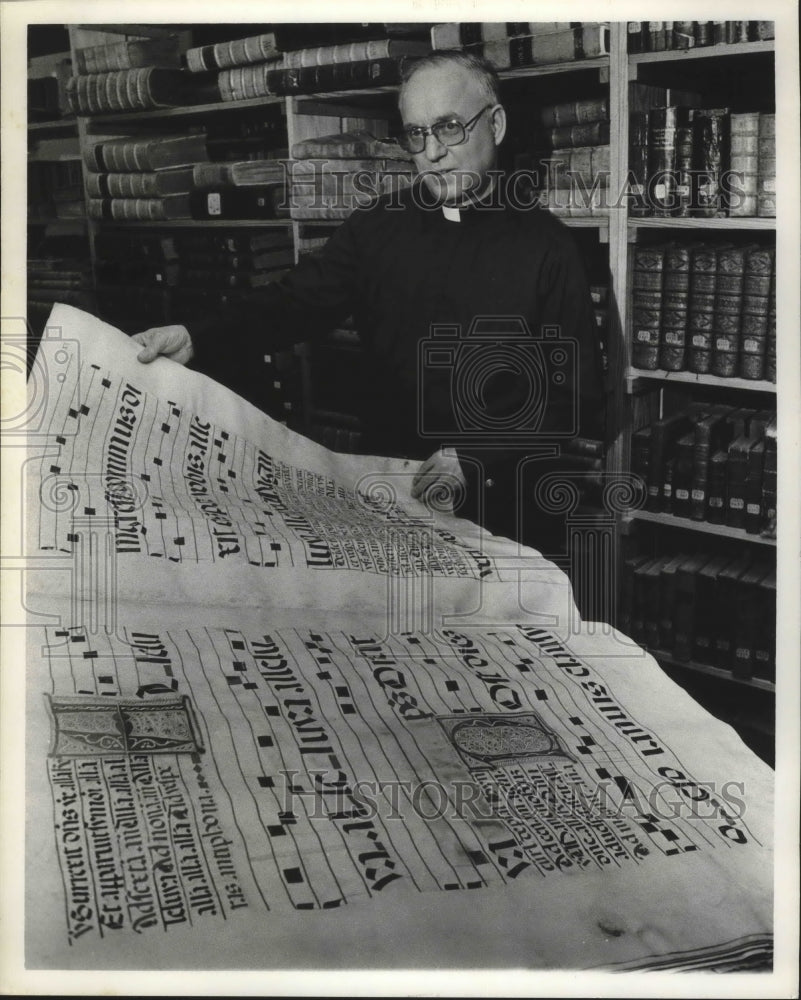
x=156, y=278
x=236, y=49
x=708, y=308
x=658, y=36
x=240, y=140
x=713, y=463
x=583, y=169
x=57, y=279
x=332, y=189
x=150, y=88
x=47, y=95
x=172, y=177
x=313, y=44
x=752, y=164
x=572, y=124
x=146, y=74
x=702, y=162
x=193, y=260
x=718, y=610
x=567, y=182
x=582, y=459
x=230, y=202
x=251, y=189
x=576, y=199
x=55, y=190
x=248, y=82
x=153, y=73
x=248, y=70
x=58, y=270
x=144, y=88
x=151, y=279
x=329, y=176
x=352, y=64
x=568, y=162
x=335, y=373
x=508, y=45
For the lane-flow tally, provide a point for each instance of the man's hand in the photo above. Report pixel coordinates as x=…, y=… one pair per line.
x=173, y=342
x=439, y=482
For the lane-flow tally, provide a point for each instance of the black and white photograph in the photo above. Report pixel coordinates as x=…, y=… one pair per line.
x=400, y=594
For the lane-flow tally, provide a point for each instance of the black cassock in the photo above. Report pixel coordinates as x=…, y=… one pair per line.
x=477, y=333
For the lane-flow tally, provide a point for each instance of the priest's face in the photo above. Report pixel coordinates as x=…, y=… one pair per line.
x=440, y=94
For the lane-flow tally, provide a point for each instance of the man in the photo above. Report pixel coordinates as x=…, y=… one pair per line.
x=449, y=259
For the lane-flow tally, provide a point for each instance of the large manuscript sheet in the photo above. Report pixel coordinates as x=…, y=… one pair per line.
x=281, y=715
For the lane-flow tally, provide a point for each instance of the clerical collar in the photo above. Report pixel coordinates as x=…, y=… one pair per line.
x=453, y=213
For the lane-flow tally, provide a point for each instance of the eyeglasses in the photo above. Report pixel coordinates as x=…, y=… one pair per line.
x=450, y=132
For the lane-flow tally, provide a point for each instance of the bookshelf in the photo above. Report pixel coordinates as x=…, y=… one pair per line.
x=742, y=71
x=599, y=63
x=726, y=50
x=757, y=683
x=57, y=128
x=740, y=76
x=103, y=124
x=685, y=524
x=57, y=228
x=735, y=225
x=156, y=224
x=697, y=378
